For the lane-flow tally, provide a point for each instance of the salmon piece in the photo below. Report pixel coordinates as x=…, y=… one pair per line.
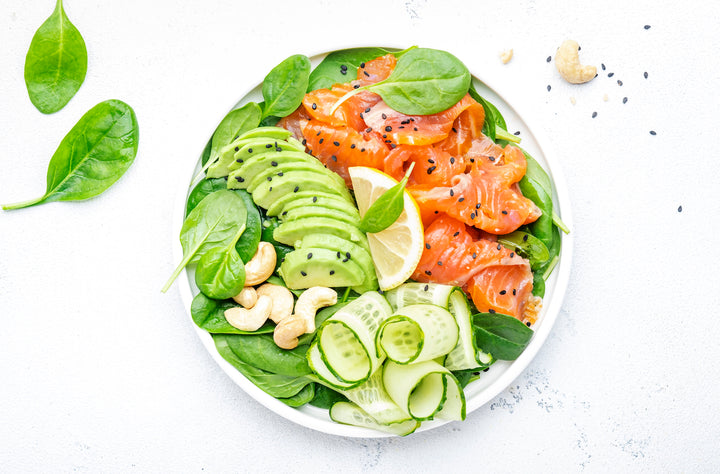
x=401, y=129
x=496, y=278
x=319, y=102
x=486, y=197
x=295, y=122
x=339, y=148
x=376, y=70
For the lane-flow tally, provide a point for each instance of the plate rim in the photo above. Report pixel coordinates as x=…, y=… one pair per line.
x=514, y=369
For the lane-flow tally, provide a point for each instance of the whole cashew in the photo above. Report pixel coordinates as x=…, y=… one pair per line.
x=287, y=332
x=250, y=319
x=282, y=299
x=309, y=302
x=568, y=64
x=247, y=297
x=262, y=265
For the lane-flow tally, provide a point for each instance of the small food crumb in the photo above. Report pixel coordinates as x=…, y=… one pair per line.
x=605, y=97
x=619, y=82
x=573, y=101
x=679, y=208
x=506, y=56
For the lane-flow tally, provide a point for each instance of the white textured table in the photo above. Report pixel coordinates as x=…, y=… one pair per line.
x=99, y=371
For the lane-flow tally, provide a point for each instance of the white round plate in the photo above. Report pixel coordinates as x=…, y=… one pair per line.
x=501, y=373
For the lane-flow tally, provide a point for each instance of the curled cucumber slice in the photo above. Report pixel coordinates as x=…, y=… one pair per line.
x=417, y=333
x=425, y=390
x=350, y=414
x=417, y=293
x=466, y=354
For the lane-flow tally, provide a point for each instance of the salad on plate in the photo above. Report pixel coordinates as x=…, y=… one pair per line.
x=368, y=238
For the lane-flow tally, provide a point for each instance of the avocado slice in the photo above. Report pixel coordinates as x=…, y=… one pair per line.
x=319, y=267
x=259, y=159
x=307, y=198
x=327, y=201
x=279, y=169
x=296, y=181
x=357, y=254
x=319, y=211
x=230, y=153
x=292, y=232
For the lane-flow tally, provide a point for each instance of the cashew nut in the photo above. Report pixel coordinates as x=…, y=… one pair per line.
x=506, y=56
x=568, y=64
x=247, y=297
x=309, y=302
x=250, y=319
x=262, y=265
x=282, y=299
x=286, y=333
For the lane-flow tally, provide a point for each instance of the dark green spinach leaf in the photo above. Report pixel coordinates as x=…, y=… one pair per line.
x=209, y=314
x=56, y=63
x=526, y=245
x=220, y=272
x=302, y=397
x=502, y=336
x=261, y=351
x=213, y=223
x=335, y=66
x=326, y=397
x=236, y=122
x=93, y=155
x=268, y=226
x=275, y=385
x=284, y=87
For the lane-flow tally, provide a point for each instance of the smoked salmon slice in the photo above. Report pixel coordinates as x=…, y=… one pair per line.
x=496, y=278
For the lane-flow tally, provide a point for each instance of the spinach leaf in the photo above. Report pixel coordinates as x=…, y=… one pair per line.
x=466, y=376
x=93, y=155
x=302, y=397
x=334, y=68
x=268, y=226
x=248, y=243
x=209, y=314
x=213, y=223
x=206, y=152
x=284, y=87
x=261, y=351
x=537, y=173
x=326, y=397
x=494, y=125
x=538, y=284
x=275, y=385
x=221, y=272
x=237, y=121
x=526, y=245
x=424, y=82
x=387, y=207
x=502, y=336
x=542, y=227
x=56, y=63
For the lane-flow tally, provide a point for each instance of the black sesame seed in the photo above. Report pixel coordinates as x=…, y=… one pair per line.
x=525, y=237
x=461, y=199
x=431, y=169
x=303, y=273
x=472, y=160
x=514, y=292
x=594, y=114
x=504, y=212
x=491, y=158
x=452, y=193
x=270, y=189
x=362, y=64
x=477, y=206
x=352, y=147
x=345, y=260
x=297, y=188
x=485, y=370
x=452, y=160
x=273, y=163
x=339, y=255
x=602, y=66
x=304, y=141
x=321, y=140
x=624, y=100
x=645, y=75
x=333, y=157
x=384, y=117
x=362, y=150
x=472, y=216
x=652, y=132
x=499, y=246
x=456, y=234
x=647, y=27
x=343, y=67
x=309, y=256
x=239, y=160
x=428, y=272
x=336, y=143
x=439, y=263
x=454, y=130
x=367, y=110
x=427, y=246
x=427, y=287
x=388, y=128
x=314, y=198
x=619, y=82
x=356, y=86
x=503, y=292
x=431, y=161
x=249, y=150
x=347, y=254
x=332, y=272
x=611, y=74
x=393, y=146
x=269, y=178
x=284, y=213
x=415, y=128
x=549, y=58
x=517, y=133
x=366, y=74
x=527, y=324
x=269, y=145
x=368, y=130
x=512, y=254
x=549, y=87
x=679, y=208
x=318, y=134
x=474, y=255
x=237, y=148
x=491, y=311
x=240, y=179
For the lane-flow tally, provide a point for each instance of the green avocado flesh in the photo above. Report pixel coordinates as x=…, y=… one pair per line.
x=327, y=201
x=357, y=254
x=319, y=267
x=277, y=170
x=249, y=166
x=291, y=233
x=295, y=181
x=318, y=211
x=309, y=198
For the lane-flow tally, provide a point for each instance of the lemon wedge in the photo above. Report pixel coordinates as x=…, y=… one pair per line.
x=395, y=251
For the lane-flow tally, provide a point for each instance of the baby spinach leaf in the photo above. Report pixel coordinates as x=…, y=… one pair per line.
x=261, y=351
x=302, y=397
x=537, y=173
x=213, y=223
x=56, y=62
x=325, y=397
x=284, y=87
x=424, y=82
x=202, y=190
x=494, y=125
x=237, y=121
x=538, y=284
x=275, y=385
x=542, y=227
x=221, y=272
x=268, y=226
x=502, y=336
x=526, y=245
x=209, y=314
x=335, y=66
x=93, y=155
x=387, y=208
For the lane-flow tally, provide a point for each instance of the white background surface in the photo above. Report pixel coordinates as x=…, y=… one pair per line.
x=99, y=371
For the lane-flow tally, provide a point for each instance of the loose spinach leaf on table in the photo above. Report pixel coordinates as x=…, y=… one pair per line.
x=275, y=385
x=93, y=155
x=209, y=314
x=424, y=82
x=502, y=336
x=220, y=272
x=213, y=223
x=284, y=87
x=56, y=62
x=335, y=66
